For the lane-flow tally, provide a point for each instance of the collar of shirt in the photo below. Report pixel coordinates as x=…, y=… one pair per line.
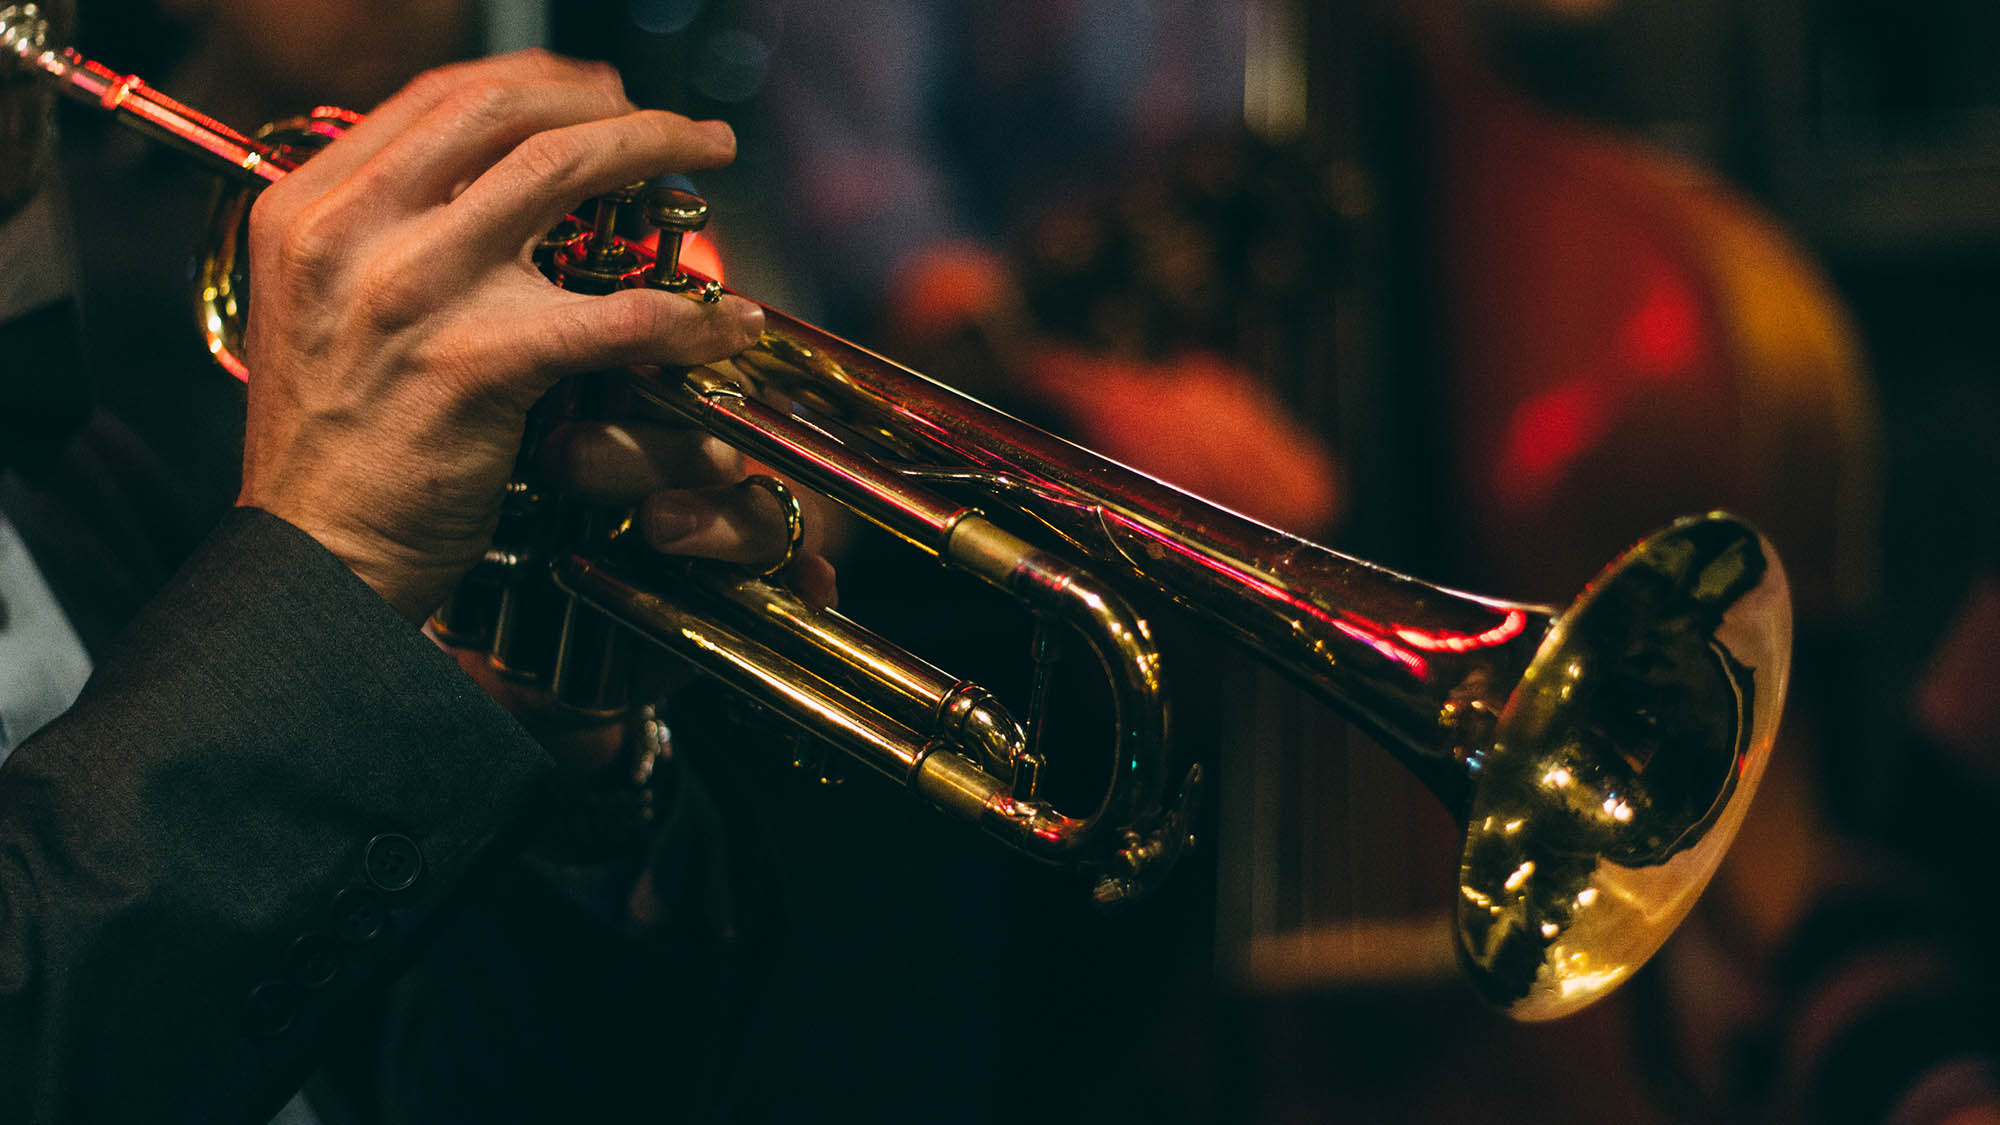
x=42, y=662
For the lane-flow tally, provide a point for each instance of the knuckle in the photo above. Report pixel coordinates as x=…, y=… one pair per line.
x=666, y=519
x=543, y=64
x=592, y=458
x=305, y=239
x=538, y=60
x=580, y=458
x=615, y=327
x=435, y=84
x=689, y=333
x=575, y=333
x=595, y=71
x=719, y=459
x=442, y=82
x=484, y=102
x=665, y=121
x=634, y=322
x=606, y=79
x=664, y=130
x=548, y=158
x=267, y=218
x=560, y=456
x=585, y=451
x=611, y=101
x=654, y=126
x=389, y=292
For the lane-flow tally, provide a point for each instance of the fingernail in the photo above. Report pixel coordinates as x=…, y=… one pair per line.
x=721, y=132
x=750, y=317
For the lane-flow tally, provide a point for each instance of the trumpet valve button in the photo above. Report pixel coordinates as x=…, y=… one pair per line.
x=677, y=213
x=676, y=209
x=599, y=260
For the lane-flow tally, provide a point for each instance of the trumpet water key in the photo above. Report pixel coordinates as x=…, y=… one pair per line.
x=1600, y=757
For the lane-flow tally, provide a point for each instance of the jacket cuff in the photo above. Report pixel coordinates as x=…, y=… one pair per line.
x=269, y=786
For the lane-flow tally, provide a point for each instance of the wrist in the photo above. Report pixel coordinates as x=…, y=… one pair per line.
x=411, y=583
x=395, y=578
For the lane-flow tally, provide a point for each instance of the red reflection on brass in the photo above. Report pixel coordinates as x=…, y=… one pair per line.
x=699, y=254
x=1417, y=665
x=1366, y=632
x=1513, y=625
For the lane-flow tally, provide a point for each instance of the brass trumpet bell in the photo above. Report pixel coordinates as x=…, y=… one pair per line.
x=1621, y=767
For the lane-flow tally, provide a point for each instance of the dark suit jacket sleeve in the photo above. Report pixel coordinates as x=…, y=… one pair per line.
x=267, y=788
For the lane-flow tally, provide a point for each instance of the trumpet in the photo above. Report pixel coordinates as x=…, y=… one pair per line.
x=1599, y=757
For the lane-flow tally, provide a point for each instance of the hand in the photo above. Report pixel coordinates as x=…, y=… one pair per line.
x=401, y=331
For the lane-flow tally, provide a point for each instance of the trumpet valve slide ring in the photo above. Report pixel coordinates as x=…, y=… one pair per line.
x=795, y=522
x=583, y=266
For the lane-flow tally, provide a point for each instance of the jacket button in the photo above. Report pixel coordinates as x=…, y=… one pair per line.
x=358, y=916
x=393, y=862
x=274, y=1007
x=314, y=961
